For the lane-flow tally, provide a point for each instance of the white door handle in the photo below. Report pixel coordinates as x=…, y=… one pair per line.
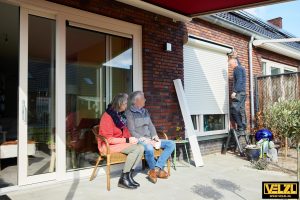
x=24, y=111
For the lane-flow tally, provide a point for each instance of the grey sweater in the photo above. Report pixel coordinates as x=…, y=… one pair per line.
x=139, y=123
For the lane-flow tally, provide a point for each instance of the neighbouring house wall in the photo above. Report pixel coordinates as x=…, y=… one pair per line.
x=240, y=43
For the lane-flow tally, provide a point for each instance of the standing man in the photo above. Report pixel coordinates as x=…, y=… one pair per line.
x=238, y=95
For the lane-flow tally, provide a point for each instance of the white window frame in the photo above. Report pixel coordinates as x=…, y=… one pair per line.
x=269, y=64
x=92, y=21
x=199, y=129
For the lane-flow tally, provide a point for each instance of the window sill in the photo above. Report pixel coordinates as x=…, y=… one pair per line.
x=212, y=136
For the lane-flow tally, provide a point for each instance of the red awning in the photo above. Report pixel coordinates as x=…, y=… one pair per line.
x=200, y=7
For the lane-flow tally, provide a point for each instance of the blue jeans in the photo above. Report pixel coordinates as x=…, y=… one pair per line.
x=167, y=145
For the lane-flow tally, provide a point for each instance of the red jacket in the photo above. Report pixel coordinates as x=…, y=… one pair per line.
x=116, y=138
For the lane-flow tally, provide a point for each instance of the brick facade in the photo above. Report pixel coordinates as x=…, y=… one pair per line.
x=160, y=68
x=240, y=43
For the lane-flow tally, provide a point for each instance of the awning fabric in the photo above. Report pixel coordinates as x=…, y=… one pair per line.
x=200, y=7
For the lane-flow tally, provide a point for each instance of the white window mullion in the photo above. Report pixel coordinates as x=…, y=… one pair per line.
x=23, y=90
x=60, y=97
x=201, y=123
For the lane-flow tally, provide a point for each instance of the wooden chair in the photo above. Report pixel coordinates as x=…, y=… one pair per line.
x=116, y=158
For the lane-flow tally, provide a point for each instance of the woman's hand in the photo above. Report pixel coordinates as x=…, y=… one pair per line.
x=133, y=140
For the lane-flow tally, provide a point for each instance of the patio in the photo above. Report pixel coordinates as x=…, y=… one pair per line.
x=222, y=177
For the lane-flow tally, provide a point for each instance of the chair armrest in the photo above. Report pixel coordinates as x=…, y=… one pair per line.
x=98, y=137
x=162, y=134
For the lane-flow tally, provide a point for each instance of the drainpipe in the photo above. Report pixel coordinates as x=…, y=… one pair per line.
x=251, y=81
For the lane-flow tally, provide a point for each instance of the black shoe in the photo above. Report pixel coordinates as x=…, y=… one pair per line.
x=132, y=180
x=124, y=182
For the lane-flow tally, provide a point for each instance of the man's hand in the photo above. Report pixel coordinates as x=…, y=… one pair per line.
x=133, y=140
x=233, y=95
x=156, y=138
x=143, y=139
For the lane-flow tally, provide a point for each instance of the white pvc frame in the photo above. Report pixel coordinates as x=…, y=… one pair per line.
x=90, y=21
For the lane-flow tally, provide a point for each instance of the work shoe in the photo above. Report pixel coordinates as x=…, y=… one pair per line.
x=162, y=174
x=152, y=176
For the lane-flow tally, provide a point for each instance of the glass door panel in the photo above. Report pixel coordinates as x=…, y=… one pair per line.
x=9, y=75
x=120, y=64
x=41, y=96
x=85, y=89
x=98, y=66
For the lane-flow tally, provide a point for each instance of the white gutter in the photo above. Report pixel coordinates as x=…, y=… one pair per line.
x=280, y=49
x=156, y=9
x=273, y=46
x=260, y=42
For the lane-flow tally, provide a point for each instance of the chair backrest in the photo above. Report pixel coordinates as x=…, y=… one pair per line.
x=95, y=130
x=100, y=138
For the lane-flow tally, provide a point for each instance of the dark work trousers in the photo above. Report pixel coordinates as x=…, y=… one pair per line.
x=238, y=112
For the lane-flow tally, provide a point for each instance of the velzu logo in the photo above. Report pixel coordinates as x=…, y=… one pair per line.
x=280, y=190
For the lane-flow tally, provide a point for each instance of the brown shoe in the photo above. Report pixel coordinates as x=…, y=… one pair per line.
x=162, y=174
x=152, y=176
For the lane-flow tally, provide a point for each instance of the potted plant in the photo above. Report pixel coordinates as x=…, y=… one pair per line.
x=252, y=152
x=179, y=130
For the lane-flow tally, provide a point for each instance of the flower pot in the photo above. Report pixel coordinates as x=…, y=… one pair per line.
x=252, y=153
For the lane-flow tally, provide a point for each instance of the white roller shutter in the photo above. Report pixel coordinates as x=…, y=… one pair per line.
x=206, y=77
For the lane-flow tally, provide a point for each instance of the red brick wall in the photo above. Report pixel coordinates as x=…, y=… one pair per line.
x=160, y=68
x=240, y=43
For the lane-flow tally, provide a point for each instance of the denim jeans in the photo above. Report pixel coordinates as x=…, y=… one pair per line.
x=238, y=112
x=168, y=147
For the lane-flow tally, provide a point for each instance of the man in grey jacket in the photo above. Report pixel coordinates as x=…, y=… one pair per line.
x=140, y=126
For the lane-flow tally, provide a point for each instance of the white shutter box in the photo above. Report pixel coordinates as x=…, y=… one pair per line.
x=206, y=77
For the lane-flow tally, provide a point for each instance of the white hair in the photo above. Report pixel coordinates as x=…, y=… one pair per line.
x=134, y=95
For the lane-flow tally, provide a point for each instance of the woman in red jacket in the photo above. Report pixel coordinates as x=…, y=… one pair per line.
x=113, y=126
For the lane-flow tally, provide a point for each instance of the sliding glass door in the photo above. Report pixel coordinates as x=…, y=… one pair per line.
x=98, y=66
x=70, y=67
x=37, y=98
x=41, y=95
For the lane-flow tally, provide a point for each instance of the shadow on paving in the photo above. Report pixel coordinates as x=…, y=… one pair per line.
x=206, y=192
x=209, y=192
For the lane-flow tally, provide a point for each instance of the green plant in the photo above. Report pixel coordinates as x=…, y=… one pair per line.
x=178, y=130
x=283, y=118
x=261, y=164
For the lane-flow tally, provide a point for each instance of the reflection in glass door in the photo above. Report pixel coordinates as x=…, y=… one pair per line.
x=41, y=96
x=98, y=66
x=9, y=75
